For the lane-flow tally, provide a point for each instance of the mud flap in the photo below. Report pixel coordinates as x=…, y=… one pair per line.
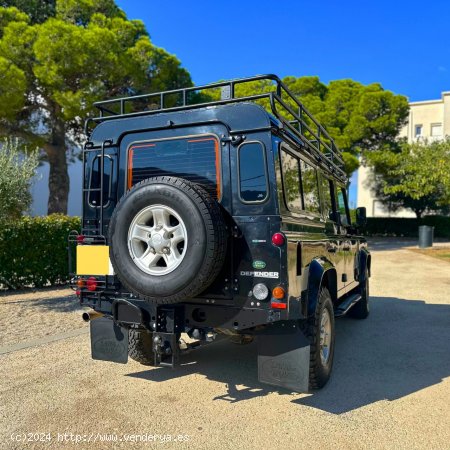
x=109, y=342
x=283, y=357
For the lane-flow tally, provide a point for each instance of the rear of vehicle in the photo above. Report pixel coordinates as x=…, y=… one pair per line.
x=181, y=233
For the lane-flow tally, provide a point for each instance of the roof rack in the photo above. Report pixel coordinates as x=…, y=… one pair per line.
x=284, y=105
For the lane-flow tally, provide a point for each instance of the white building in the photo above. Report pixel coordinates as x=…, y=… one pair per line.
x=429, y=120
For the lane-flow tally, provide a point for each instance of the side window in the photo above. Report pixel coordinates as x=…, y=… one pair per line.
x=341, y=203
x=291, y=181
x=327, y=204
x=252, y=172
x=94, y=181
x=310, y=188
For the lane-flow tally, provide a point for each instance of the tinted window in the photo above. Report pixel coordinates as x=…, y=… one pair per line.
x=327, y=205
x=252, y=172
x=195, y=159
x=310, y=188
x=342, y=206
x=291, y=180
x=94, y=183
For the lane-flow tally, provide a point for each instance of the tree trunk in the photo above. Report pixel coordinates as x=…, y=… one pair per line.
x=58, y=181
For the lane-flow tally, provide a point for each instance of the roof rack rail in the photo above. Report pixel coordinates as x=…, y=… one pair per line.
x=284, y=105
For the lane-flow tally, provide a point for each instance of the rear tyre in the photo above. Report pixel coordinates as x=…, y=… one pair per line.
x=140, y=346
x=319, y=329
x=361, y=309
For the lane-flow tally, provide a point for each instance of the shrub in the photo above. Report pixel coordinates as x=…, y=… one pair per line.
x=389, y=226
x=17, y=171
x=33, y=250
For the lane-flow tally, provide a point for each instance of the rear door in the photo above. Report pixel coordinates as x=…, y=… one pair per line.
x=196, y=154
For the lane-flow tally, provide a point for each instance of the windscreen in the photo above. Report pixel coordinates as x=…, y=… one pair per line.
x=193, y=158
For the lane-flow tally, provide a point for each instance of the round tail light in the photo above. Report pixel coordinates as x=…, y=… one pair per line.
x=278, y=239
x=278, y=293
x=91, y=284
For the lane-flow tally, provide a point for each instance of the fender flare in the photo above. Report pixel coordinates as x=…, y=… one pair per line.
x=320, y=269
x=364, y=262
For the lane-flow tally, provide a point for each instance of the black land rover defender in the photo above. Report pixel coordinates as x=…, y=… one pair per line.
x=220, y=217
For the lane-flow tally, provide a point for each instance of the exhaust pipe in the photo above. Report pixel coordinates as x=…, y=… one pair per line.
x=88, y=316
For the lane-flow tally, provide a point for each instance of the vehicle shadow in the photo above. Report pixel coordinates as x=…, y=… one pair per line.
x=400, y=349
x=61, y=304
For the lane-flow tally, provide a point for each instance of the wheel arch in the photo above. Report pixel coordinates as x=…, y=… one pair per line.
x=364, y=262
x=321, y=273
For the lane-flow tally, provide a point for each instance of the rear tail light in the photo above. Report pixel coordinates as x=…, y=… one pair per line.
x=278, y=239
x=278, y=293
x=277, y=305
x=80, y=239
x=78, y=292
x=80, y=282
x=91, y=284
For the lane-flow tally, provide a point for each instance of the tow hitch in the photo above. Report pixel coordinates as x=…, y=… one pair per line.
x=283, y=350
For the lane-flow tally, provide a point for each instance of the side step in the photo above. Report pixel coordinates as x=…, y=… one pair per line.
x=346, y=304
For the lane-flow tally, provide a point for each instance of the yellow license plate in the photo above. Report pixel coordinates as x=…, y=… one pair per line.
x=93, y=260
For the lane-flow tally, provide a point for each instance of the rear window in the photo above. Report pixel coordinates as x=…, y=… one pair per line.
x=194, y=158
x=252, y=172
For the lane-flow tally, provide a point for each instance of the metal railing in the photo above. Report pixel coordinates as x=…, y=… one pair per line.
x=284, y=105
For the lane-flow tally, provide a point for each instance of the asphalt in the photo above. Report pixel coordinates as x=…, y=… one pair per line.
x=390, y=387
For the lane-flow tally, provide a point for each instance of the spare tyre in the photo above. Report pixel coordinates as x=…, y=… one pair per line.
x=167, y=239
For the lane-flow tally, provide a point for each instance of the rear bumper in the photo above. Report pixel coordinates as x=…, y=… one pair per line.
x=195, y=315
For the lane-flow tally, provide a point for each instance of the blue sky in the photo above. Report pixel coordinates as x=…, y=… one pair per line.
x=404, y=45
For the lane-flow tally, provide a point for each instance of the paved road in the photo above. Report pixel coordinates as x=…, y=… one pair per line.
x=390, y=386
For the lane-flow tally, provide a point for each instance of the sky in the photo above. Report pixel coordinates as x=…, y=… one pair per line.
x=404, y=45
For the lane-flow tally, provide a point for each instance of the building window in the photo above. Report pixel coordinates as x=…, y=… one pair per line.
x=436, y=130
x=418, y=131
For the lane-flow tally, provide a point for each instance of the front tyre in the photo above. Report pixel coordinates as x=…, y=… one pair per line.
x=319, y=329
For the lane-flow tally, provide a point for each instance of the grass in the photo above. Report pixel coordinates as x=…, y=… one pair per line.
x=442, y=253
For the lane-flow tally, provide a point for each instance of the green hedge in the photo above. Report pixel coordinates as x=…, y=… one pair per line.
x=33, y=250
x=389, y=226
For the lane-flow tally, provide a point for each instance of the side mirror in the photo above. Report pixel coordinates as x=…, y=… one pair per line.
x=361, y=218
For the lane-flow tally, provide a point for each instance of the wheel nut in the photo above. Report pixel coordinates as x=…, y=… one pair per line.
x=166, y=250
